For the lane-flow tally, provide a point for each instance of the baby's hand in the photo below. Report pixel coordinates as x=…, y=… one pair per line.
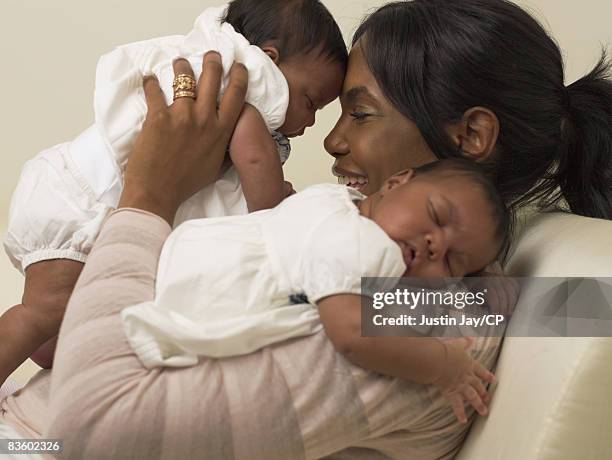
x=462, y=379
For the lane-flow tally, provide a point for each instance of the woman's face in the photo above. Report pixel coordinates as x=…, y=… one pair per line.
x=372, y=140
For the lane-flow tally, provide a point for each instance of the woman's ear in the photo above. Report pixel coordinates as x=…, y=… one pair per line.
x=272, y=52
x=400, y=178
x=476, y=134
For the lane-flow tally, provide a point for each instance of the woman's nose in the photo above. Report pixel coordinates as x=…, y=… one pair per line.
x=335, y=142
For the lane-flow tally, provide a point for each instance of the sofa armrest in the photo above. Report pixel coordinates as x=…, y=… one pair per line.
x=553, y=400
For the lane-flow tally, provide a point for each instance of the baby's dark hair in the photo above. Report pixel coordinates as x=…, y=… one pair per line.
x=482, y=177
x=296, y=26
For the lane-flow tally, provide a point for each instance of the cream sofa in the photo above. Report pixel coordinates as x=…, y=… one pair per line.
x=554, y=396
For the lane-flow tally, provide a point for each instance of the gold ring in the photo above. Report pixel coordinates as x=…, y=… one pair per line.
x=180, y=94
x=184, y=82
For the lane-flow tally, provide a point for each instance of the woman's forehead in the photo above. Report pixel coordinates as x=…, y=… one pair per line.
x=359, y=75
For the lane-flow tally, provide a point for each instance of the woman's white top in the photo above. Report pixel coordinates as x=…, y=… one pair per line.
x=230, y=286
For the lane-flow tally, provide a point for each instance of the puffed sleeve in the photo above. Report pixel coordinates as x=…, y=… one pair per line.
x=267, y=91
x=119, y=102
x=341, y=251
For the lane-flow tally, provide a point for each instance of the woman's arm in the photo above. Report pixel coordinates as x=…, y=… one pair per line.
x=102, y=399
x=426, y=360
x=95, y=378
x=254, y=154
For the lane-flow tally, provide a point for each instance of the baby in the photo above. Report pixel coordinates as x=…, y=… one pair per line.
x=229, y=286
x=65, y=193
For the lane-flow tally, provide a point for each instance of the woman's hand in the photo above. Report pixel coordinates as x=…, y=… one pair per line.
x=463, y=379
x=181, y=148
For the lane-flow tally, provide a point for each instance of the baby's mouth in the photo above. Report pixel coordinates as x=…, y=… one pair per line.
x=408, y=254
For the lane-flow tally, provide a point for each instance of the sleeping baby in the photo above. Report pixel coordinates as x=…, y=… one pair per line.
x=228, y=286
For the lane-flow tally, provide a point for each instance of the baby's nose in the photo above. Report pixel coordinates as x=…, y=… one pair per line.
x=435, y=246
x=311, y=120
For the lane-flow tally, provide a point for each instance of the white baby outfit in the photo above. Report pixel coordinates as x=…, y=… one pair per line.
x=65, y=192
x=229, y=286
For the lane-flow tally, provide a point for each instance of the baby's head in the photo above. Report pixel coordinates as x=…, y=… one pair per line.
x=303, y=39
x=447, y=218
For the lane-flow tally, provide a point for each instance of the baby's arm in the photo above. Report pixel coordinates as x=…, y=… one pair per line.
x=426, y=360
x=254, y=154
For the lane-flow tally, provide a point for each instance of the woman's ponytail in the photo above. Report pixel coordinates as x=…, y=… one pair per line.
x=585, y=161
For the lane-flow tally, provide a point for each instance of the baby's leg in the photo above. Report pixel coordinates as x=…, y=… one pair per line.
x=24, y=328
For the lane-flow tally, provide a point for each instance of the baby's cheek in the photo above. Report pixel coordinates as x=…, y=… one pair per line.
x=298, y=120
x=293, y=117
x=290, y=118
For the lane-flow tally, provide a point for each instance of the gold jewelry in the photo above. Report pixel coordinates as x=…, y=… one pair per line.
x=180, y=94
x=184, y=82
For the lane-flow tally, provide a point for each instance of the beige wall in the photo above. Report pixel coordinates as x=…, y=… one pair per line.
x=49, y=49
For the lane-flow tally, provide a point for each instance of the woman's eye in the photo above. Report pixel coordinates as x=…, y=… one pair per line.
x=360, y=116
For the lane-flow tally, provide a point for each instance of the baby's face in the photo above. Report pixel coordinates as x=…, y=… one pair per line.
x=314, y=81
x=443, y=224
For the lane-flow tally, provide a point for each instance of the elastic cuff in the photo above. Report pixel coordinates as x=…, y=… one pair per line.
x=52, y=254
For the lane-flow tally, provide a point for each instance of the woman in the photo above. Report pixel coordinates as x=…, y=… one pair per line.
x=279, y=403
x=298, y=399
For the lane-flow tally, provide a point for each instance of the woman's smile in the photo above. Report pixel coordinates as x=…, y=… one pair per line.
x=352, y=179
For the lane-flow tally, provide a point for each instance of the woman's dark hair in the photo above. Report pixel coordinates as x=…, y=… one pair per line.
x=296, y=26
x=435, y=59
x=501, y=214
